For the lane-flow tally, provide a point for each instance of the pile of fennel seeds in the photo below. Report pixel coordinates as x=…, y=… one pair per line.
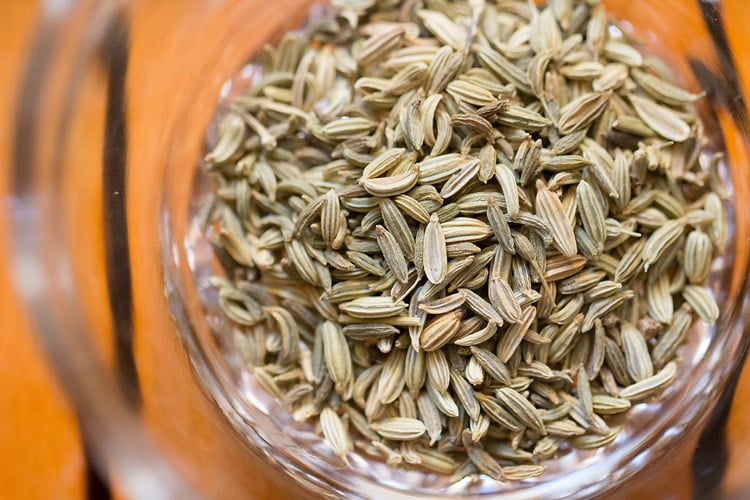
x=461, y=236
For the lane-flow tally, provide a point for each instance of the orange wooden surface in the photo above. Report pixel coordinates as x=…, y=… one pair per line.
x=737, y=482
x=40, y=451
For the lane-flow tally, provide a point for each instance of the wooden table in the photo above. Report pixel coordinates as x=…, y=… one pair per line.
x=41, y=455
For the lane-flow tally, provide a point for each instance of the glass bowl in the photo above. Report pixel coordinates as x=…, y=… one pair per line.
x=113, y=267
